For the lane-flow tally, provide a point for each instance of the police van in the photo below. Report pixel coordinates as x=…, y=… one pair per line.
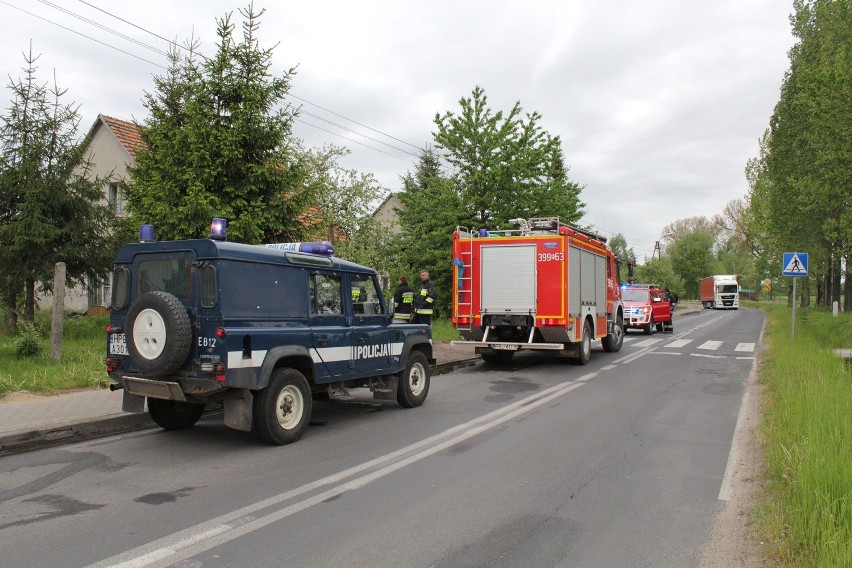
x=262, y=330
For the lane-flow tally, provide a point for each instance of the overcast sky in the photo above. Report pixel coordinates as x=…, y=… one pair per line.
x=659, y=103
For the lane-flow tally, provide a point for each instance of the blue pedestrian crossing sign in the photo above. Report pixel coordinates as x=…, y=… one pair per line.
x=795, y=264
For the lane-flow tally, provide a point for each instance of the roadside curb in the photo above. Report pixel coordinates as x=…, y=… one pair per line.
x=61, y=434
x=28, y=440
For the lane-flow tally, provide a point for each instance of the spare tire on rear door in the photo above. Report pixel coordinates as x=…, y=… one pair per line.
x=159, y=333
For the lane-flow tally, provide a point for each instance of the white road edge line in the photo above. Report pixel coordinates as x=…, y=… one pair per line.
x=204, y=536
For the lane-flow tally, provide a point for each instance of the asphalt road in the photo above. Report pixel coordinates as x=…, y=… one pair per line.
x=542, y=463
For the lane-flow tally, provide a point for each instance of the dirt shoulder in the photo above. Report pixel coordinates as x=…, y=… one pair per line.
x=732, y=540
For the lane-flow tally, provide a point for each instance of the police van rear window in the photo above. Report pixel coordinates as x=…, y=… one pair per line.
x=173, y=276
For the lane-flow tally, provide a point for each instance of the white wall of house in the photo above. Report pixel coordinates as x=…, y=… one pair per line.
x=109, y=160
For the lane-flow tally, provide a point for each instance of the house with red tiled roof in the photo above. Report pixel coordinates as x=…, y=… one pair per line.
x=110, y=148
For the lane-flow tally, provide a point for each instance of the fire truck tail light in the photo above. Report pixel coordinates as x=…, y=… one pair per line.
x=220, y=378
x=220, y=333
x=465, y=320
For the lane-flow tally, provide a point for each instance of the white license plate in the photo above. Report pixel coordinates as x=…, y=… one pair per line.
x=506, y=346
x=117, y=344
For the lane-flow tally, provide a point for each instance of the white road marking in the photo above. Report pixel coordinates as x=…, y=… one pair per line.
x=745, y=347
x=711, y=345
x=608, y=367
x=677, y=343
x=225, y=528
x=666, y=353
x=649, y=342
x=708, y=356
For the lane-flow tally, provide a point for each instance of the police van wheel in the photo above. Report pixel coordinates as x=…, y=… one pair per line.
x=174, y=415
x=613, y=341
x=282, y=410
x=159, y=333
x=413, y=385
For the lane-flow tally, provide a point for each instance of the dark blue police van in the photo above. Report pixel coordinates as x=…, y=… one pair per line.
x=263, y=330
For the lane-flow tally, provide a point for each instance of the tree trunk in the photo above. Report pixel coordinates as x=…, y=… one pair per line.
x=835, y=284
x=847, y=300
x=11, y=304
x=29, y=301
x=806, y=293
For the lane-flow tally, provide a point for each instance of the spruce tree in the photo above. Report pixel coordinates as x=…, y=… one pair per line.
x=218, y=144
x=50, y=211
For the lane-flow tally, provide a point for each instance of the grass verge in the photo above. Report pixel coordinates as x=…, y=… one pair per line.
x=805, y=512
x=81, y=364
x=83, y=352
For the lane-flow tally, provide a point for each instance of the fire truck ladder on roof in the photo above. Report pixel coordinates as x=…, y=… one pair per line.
x=464, y=281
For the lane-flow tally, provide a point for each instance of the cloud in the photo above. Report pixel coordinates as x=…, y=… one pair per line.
x=658, y=104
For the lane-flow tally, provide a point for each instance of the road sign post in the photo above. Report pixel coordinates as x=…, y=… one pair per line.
x=794, y=264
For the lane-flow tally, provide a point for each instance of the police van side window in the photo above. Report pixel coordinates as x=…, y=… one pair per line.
x=325, y=295
x=365, y=298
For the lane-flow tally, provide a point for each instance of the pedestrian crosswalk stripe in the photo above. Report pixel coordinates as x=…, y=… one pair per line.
x=744, y=347
x=649, y=342
x=711, y=345
x=678, y=343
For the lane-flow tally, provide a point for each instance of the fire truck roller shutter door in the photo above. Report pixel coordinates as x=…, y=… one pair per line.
x=508, y=278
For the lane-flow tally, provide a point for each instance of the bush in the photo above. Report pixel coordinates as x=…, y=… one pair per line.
x=28, y=341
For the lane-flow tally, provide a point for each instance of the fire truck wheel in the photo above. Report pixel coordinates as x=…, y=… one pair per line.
x=613, y=341
x=648, y=329
x=159, y=333
x=173, y=414
x=282, y=410
x=413, y=384
x=585, y=347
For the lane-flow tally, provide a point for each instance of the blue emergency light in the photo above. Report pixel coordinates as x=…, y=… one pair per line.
x=146, y=233
x=219, y=229
x=324, y=247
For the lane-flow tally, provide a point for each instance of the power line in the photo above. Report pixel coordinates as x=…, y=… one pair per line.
x=358, y=133
x=103, y=27
x=354, y=121
x=129, y=23
x=351, y=140
x=289, y=94
x=83, y=35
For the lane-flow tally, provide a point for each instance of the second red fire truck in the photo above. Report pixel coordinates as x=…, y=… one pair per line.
x=544, y=286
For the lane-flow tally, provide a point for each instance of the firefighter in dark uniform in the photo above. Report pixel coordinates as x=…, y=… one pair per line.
x=424, y=300
x=403, y=302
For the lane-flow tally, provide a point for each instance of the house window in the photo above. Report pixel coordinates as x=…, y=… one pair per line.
x=99, y=291
x=115, y=198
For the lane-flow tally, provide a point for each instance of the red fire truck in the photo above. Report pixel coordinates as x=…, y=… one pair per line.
x=545, y=285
